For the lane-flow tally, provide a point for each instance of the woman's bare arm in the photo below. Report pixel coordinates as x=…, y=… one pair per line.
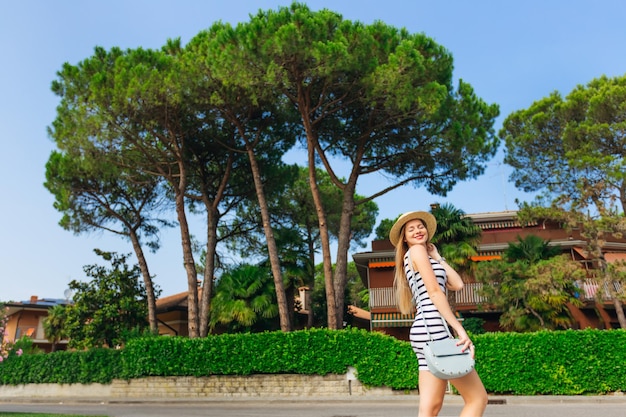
x=454, y=282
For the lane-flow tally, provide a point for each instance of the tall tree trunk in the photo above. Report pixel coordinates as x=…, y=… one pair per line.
x=189, y=264
x=610, y=289
x=213, y=216
x=331, y=303
x=327, y=263
x=209, y=270
x=310, y=281
x=281, y=297
x=343, y=245
x=147, y=281
x=619, y=309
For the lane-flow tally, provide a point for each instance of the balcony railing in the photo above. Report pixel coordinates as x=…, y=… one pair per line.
x=470, y=294
x=382, y=297
x=590, y=288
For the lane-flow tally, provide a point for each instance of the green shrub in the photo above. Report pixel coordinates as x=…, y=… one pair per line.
x=474, y=325
x=62, y=367
x=566, y=362
x=549, y=362
x=378, y=359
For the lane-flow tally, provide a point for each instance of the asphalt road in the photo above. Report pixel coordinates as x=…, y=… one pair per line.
x=323, y=408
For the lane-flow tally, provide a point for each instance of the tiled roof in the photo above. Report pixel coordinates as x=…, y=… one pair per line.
x=174, y=301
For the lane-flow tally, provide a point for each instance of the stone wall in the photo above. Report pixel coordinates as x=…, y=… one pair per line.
x=243, y=386
x=218, y=386
x=54, y=391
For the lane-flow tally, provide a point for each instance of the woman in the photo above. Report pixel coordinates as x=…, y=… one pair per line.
x=411, y=235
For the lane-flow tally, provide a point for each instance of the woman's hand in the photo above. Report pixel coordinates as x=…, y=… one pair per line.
x=432, y=251
x=466, y=342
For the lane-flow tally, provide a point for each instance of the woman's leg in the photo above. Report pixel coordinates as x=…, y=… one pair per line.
x=431, y=390
x=474, y=395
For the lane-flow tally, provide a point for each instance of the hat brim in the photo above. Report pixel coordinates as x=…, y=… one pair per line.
x=429, y=221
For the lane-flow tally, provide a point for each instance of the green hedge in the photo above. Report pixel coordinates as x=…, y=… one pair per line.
x=379, y=360
x=553, y=363
x=548, y=363
x=62, y=367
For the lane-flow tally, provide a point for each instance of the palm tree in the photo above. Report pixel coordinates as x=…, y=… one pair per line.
x=54, y=325
x=457, y=236
x=245, y=300
x=531, y=249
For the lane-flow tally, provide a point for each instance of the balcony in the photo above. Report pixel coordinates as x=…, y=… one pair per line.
x=470, y=294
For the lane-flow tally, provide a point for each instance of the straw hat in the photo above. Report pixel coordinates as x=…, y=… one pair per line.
x=429, y=221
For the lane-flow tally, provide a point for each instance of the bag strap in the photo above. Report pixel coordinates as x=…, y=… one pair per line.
x=419, y=303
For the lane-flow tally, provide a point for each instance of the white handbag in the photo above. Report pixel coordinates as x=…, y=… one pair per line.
x=445, y=359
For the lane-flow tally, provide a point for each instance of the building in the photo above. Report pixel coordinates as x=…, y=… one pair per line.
x=376, y=268
x=25, y=318
x=172, y=314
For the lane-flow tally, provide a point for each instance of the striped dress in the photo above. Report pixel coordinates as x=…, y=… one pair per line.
x=436, y=323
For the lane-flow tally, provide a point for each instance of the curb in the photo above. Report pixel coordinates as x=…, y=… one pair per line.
x=566, y=399
x=449, y=399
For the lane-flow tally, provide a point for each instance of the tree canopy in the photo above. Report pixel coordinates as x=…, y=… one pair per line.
x=374, y=96
x=533, y=293
x=95, y=194
x=573, y=148
x=245, y=300
x=109, y=307
x=531, y=249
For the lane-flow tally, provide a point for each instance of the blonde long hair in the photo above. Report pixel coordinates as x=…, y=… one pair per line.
x=404, y=296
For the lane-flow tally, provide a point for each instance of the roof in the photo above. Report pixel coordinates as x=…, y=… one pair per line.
x=493, y=216
x=35, y=304
x=614, y=257
x=41, y=302
x=174, y=302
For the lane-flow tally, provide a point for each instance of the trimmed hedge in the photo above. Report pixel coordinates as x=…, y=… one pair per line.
x=62, y=367
x=550, y=363
x=380, y=360
x=566, y=362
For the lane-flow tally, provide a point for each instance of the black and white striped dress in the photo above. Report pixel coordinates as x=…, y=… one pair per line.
x=436, y=323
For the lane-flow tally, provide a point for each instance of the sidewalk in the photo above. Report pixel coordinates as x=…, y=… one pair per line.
x=278, y=389
x=397, y=406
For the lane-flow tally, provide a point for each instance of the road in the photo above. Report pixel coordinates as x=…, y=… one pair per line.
x=322, y=408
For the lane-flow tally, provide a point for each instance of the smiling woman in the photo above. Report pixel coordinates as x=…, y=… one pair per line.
x=422, y=278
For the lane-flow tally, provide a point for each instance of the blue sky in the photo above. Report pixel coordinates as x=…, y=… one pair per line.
x=512, y=52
